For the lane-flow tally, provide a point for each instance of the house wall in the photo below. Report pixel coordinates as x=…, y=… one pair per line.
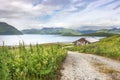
x=81, y=43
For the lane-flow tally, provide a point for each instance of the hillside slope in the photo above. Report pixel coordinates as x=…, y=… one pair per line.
x=108, y=47
x=107, y=34
x=101, y=32
x=113, y=30
x=6, y=29
x=61, y=31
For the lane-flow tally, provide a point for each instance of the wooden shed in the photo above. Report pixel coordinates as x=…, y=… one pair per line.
x=81, y=41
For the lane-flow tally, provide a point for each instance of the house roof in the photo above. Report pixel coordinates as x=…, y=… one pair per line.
x=89, y=40
x=83, y=40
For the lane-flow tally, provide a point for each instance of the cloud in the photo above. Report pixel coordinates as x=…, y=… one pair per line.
x=57, y=2
x=23, y=9
x=60, y=13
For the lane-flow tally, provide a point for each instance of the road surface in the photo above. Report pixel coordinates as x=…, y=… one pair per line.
x=80, y=66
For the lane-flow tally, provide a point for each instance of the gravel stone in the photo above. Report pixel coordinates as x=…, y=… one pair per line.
x=79, y=66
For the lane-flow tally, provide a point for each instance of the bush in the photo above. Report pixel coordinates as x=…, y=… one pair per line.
x=38, y=62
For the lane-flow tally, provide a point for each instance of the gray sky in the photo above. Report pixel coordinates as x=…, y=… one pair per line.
x=24, y=14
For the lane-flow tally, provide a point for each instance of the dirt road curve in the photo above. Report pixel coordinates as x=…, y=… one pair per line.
x=79, y=66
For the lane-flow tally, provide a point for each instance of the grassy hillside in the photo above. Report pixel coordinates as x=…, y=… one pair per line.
x=61, y=31
x=99, y=34
x=39, y=62
x=108, y=47
x=113, y=30
x=87, y=31
x=70, y=32
x=6, y=29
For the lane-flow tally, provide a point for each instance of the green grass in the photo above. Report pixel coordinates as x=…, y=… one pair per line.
x=38, y=62
x=108, y=47
x=100, y=34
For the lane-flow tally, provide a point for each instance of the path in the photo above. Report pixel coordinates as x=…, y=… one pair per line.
x=79, y=66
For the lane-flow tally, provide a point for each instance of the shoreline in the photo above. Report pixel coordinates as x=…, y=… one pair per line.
x=27, y=45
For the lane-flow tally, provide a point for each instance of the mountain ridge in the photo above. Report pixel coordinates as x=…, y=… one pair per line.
x=61, y=31
x=6, y=29
x=73, y=32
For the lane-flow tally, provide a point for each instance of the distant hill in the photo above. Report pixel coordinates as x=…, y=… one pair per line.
x=113, y=30
x=84, y=30
x=61, y=31
x=99, y=34
x=6, y=29
x=87, y=31
x=73, y=32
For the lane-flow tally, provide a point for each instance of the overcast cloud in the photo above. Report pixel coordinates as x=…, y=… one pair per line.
x=24, y=14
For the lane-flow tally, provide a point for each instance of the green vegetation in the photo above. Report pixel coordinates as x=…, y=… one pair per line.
x=108, y=47
x=70, y=32
x=39, y=62
x=61, y=31
x=73, y=32
x=113, y=30
x=6, y=29
x=99, y=34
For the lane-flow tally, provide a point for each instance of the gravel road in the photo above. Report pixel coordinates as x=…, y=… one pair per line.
x=79, y=66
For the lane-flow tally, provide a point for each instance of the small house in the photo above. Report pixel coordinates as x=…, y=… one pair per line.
x=81, y=41
x=84, y=41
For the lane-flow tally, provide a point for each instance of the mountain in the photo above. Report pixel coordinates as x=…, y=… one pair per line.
x=99, y=34
x=73, y=32
x=6, y=29
x=113, y=30
x=87, y=31
x=61, y=31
